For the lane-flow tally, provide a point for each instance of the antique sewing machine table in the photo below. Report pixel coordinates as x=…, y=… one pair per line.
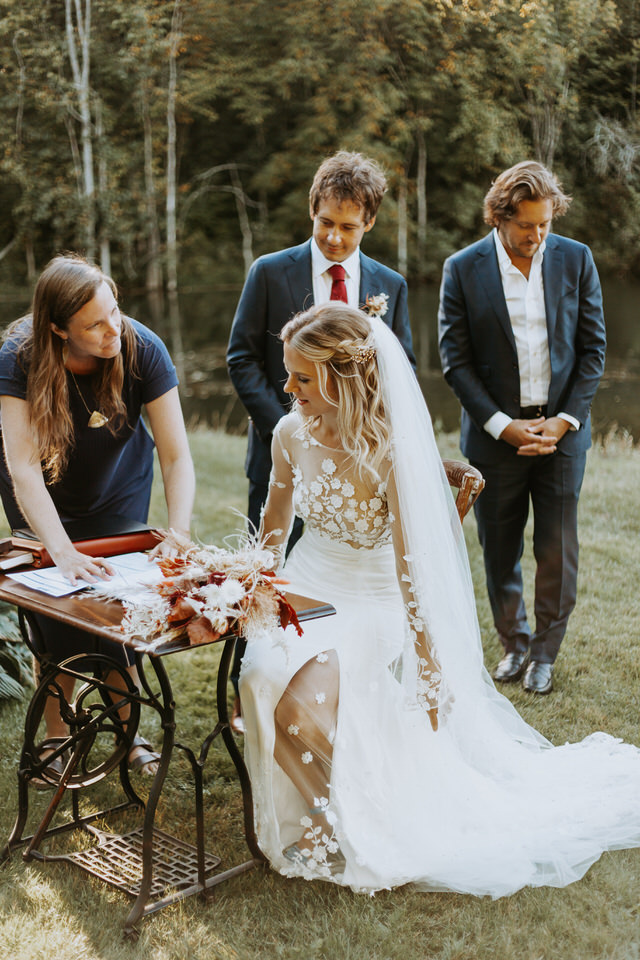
x=149, y=865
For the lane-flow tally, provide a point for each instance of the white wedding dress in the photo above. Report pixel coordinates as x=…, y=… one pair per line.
x=484, y=805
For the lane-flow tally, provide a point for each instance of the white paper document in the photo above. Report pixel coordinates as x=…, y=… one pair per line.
x=130, y=569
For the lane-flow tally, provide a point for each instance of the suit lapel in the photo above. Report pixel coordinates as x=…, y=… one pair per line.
x=370, y=283
x=552, y=274
x=488, y=274
x=299, y=277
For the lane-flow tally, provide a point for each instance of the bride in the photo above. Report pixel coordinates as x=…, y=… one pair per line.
x=380, y=752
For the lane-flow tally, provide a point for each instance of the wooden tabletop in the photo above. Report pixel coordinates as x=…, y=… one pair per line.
x=103, y=617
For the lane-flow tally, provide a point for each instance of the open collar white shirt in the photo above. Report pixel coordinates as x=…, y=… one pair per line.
x=525, y=303
x=527, y=313
x=322, y=280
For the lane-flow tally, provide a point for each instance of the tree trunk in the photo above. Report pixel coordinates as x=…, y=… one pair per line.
x=80, y=68
x=8, y=248
x=103, y=198
x=546, y=123
x=30, y=258
x=243, y=219
x=172, y=236
x=154, y=268
x=172, y=242
x=75, y=153
x=633, y=86
x=421, y=192
x=22, y=73
x=402, y=226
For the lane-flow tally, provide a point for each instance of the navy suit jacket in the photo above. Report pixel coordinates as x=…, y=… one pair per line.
x=478, y=350
x=278, y=286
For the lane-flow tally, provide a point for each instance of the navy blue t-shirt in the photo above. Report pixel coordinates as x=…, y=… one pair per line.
x=106, y=474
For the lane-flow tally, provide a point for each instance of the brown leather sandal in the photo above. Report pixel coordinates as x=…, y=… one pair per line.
x=144, y=759
x=55, y=766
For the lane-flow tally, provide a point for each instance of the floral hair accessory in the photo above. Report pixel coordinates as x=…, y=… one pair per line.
x=377, y=306
x=364, y=354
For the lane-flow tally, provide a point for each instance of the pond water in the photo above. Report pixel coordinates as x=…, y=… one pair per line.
x=208, y=397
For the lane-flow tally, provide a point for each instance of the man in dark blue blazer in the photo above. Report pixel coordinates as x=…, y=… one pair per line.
x=343, y=202
x=522, y=344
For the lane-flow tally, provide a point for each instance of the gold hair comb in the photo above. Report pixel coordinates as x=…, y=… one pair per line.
x=364, y=354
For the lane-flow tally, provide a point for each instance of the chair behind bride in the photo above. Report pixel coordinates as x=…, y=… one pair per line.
x=468, y=481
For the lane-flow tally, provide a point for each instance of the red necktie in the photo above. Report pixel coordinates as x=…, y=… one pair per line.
x=338, y=286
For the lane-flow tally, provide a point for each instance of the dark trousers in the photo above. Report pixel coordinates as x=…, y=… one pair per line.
x=552, y=485
x=257, y=498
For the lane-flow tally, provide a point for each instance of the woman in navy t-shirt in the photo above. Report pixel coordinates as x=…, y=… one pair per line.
x=74, y=377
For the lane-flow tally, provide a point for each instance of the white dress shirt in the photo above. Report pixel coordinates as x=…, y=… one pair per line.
x=322, y=280
x=525, y=304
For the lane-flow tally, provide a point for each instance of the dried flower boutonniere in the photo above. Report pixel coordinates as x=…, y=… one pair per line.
x=377, y=306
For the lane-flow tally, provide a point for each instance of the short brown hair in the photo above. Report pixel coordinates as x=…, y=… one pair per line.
x=349, y=176
x=526, y=181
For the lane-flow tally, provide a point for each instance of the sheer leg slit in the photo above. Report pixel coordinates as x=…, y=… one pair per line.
x=305, y=726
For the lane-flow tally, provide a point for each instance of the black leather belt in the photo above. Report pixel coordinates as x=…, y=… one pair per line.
x=530, y=413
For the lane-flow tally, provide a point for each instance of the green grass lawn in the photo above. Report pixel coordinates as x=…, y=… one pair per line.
x=53, y=911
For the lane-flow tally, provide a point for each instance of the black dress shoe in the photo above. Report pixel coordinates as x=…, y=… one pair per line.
x=511, y=667
x=539, y=677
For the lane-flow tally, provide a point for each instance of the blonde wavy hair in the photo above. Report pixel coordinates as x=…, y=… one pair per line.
x=67, y=283
x=337, y=339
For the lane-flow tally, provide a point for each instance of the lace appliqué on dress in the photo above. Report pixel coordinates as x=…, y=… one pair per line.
x=325, y=859
x=430, y=690
x=331, y=503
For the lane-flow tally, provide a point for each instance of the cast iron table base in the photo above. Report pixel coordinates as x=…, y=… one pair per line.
x=147, y=864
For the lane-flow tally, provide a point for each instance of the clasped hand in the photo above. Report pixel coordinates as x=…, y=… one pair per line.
x=534, y=438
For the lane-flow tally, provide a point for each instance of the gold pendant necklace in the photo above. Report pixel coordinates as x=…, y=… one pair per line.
x=96, y=419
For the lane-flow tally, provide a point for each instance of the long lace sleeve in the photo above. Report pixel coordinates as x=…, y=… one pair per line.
x=277, y=513
x=428, y=679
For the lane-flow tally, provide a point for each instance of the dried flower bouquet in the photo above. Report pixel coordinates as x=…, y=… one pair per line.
x=206, y=592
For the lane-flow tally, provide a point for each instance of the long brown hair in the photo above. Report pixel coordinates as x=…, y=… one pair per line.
x=67, y=283
x=337, y=338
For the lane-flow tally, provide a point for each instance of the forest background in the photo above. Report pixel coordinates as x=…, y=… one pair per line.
x=175, y=141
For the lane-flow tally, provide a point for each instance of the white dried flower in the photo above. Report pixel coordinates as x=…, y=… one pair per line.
x=378, y=305
x=231, y=591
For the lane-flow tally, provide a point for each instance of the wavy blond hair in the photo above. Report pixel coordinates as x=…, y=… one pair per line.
x=66, y=284
x=337, y=339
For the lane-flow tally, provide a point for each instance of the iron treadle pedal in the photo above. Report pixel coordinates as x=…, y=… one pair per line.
x=117, y=859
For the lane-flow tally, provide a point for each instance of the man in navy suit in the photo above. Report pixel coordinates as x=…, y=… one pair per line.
x=343, y=202
x=522, y=344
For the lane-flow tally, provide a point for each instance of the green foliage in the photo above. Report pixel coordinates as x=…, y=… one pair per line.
x=444, y=94
x=15, y=659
